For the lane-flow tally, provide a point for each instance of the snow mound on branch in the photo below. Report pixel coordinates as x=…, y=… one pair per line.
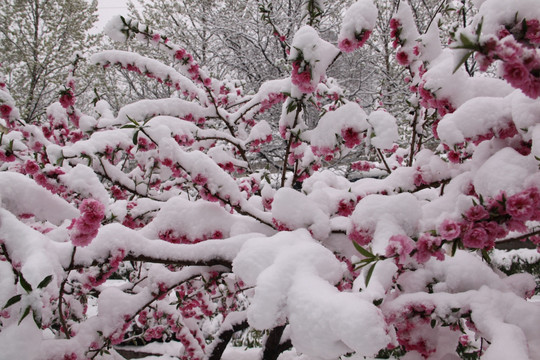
x=488, y=113
x=362, y=15
x=506, y=171
x=190, y=219
x=350, y=115
x=295, y=210
x=385, y=129
x=21, y=195
x=493, y=13
x=113, y=29
x=294, y=276
x=384, y=216
x=84, y=180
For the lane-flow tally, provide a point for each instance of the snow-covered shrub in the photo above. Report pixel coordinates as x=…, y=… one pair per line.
x=168, y=188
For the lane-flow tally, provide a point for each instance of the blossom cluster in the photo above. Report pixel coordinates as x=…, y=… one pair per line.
x=412, y=324
x=174, y=237
x=350, y=44
x=85, y=228
x=479, y=228
x=301, y=76
x=517, y=47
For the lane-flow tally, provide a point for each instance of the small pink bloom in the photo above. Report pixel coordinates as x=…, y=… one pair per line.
x=402, y=58
x=477, y=213
x=31, y=167
x=449, y=229
x=67, y=99
x=346, y=208
x=82, y=239
x=401, y=246
x=5, y=110
x=360, y=236
x=179, y=54
x=395, y=24
x=348, y=45
x=362, y=37
x=428, y=246
x=475, y=238
x=533, y=31
x=92, y=210
x=494, y=230
x=507, y=132
x=521, y=206
x=516, y=74
x=453, y=157
x=351, y=137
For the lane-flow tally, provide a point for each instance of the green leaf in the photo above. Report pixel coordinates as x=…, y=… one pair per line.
x=479, y=28
x=135, y=137
x=133, y=120
x=291, y=107
x=128, y=126
x=370, y=273
x=362, y=251
x=377, y=302
x=37, y=319
x=45, y=282
x=454, y=247
x=467, y=44
x=433, y=323
x=25, y=314
x=485, y=256
x=13, y=300
x=462, y=61
x=25, y=285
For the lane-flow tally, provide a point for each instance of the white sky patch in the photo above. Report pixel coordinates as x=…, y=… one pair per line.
x=107, y=9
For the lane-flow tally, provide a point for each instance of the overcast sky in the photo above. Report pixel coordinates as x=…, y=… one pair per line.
x=109, y=8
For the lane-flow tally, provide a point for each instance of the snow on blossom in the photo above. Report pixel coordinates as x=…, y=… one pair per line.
x=311, y=57
x=21, y=195
x=493, y=13
x=304, y=294
x=449, y=229
x=508, y=171
x=296, y=210
x=84, y=180
x=401, y=246
x=182, y=219
x=358, y=22
x=386, y=216
x=85, y=228
x=348, y=120
x=151, y=66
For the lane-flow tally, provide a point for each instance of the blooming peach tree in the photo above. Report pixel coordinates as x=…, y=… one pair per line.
x=158, y=223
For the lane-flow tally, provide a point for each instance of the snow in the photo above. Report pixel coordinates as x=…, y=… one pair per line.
x=21, y=341
x=490, y=113
x=362, y=15
x=21, y=195
x=495, y=12
x=85, y=181
x=385, y=216
x=295, y=210
x=147, y=65
x=350, y=115
x=508, y=171
x=385, y=129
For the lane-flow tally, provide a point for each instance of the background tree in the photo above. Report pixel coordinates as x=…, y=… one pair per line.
x=39, y=39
